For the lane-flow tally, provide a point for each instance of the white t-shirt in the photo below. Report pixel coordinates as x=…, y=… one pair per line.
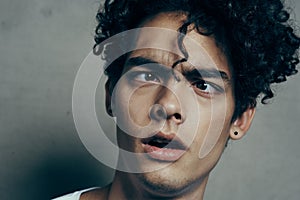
x=73, y=196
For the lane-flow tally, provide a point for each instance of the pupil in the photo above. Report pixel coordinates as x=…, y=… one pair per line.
x=202, y=86
x=149, y=77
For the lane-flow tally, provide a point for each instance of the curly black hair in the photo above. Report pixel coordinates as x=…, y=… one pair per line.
x=255, y=35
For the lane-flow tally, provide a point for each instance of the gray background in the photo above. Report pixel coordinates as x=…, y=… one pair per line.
x=42, y=44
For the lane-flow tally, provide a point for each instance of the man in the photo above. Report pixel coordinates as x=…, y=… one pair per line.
x=188, y=85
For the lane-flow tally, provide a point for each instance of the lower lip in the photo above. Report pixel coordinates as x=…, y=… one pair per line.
x=163, y=154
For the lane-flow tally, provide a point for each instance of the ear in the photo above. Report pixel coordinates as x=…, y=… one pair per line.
x=108, y=98
x=241, y=125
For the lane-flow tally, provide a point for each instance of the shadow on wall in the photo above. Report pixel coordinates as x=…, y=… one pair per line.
x=61, y=174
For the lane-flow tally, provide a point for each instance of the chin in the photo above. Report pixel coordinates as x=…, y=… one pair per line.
x=164, y=183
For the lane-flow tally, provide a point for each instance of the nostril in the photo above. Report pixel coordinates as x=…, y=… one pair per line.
x=177, y=116
x=158, y=112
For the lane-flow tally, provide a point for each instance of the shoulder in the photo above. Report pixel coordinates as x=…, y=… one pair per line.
x=96, y=194
x=87, y=194
x=75, y=196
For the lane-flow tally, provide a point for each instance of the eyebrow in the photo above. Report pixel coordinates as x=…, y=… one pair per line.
x=136, y=61
x=207, y=73
x=203, y=73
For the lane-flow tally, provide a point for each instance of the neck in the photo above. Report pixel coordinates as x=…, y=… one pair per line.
x=127, y=186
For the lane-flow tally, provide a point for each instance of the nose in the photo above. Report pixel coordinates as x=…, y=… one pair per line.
x=167, y=107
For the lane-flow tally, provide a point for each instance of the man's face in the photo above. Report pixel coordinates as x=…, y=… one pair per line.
x=189, y=108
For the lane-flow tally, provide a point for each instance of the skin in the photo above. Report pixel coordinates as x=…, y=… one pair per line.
x=198, y=113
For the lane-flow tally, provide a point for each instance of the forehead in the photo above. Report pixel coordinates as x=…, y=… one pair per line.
x=202, y=50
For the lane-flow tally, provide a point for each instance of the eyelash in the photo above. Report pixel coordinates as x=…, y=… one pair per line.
x=214, y=89
x=142, y=76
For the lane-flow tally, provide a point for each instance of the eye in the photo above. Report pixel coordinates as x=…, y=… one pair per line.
x=146, y=77
x=206, y=88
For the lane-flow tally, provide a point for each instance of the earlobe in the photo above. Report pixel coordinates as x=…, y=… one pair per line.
x=108, y=98
x=241, y=125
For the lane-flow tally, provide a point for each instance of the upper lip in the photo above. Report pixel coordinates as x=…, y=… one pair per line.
x=169, y=140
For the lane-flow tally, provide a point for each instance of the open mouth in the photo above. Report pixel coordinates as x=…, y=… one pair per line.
x=164, y=147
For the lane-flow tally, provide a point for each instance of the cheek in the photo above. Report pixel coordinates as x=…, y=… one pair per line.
x=131, y=108
x=215, y=125
x=216, y=113
x=140, y=103
x=222, y=109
